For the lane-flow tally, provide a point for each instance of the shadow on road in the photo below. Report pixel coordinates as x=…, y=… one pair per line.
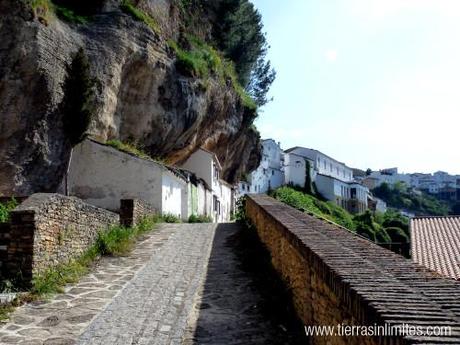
x=244, y=301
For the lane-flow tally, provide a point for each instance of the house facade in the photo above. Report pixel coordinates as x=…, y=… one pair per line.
x=102, y=175
x=205, y=165
x=269, y=174
x=324, y=164
x=295, y=169
x=333, y=179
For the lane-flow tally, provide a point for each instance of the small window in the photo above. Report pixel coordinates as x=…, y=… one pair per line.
x=273, y=172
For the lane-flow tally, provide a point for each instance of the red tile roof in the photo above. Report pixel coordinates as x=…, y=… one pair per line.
x=436, y=244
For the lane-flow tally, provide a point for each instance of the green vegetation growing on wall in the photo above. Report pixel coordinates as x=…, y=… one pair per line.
x=6, y=208
x=305, y=202
x=129, y=8
x=202, y=60
x=401, y=197
x=72, y=11
x=128, y=148
x=117, y=241
x=390, y=227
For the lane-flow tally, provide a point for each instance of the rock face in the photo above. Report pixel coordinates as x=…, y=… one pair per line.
x=140, y=95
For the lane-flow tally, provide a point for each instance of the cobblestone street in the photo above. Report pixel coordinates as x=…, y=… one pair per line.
x=184, y=283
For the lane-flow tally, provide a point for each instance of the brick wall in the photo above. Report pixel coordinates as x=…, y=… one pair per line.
x=48, y=229
x=5, y=229
x=336, y=277
x=133, y=210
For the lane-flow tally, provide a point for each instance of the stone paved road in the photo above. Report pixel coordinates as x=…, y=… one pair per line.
x=154, y=307
x=61, y=320
x=182, y=285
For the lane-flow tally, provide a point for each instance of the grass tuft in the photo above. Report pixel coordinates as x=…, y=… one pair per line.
x=117, y=241
x=128, y=7
x=199, y=219
x=44, y=9
x=128, y=148
x=170, y=218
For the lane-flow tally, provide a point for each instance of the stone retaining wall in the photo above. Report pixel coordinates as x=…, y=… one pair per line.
x=337, y=277
x=132, y=211
x=49, y=229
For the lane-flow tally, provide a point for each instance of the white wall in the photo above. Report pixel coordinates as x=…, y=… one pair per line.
x=270, y=173
x=201, y=164
x=102, y=175
x=294, y=169
x=327, y=188
x=325, y=165
x=172, y=191
x=225, y=204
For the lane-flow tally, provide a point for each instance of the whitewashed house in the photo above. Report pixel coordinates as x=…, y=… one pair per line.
x=102, y=175
x=390, y=176
x=324, y=164
x=333, y=179
x=295, y=169
x=269, y=174
x=205, y=165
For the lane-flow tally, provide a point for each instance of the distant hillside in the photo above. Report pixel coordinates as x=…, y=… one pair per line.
x=401, y=197
x=358, y=172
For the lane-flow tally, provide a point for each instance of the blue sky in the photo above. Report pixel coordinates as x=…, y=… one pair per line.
x=373, y=83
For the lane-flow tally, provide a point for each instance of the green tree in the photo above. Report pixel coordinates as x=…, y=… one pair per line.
x=77, y=103
x=239, y=34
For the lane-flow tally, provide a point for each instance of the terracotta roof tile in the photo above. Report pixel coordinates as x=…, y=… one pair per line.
x=436, y=244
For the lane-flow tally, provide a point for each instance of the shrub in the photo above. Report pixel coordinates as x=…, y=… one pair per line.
x=305, y=202
x=6, y=208
x=400, y=197
x=170, y=218
x=70, y=15
x=117, y=241
x=397, y=235
x=128, y=7
x=202, y=60
x=199, y=219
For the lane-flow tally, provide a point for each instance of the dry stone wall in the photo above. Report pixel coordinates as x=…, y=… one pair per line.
x=49, y=229
x=338, y=278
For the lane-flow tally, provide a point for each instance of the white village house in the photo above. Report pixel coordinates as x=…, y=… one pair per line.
x=333, y=179
x=269, y=174
x=205, y=165
x=102, y=175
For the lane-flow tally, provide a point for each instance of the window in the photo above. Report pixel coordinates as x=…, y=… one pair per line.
x=216, y=171
x=273, y=172
x=353, y=193
x=216, y=204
